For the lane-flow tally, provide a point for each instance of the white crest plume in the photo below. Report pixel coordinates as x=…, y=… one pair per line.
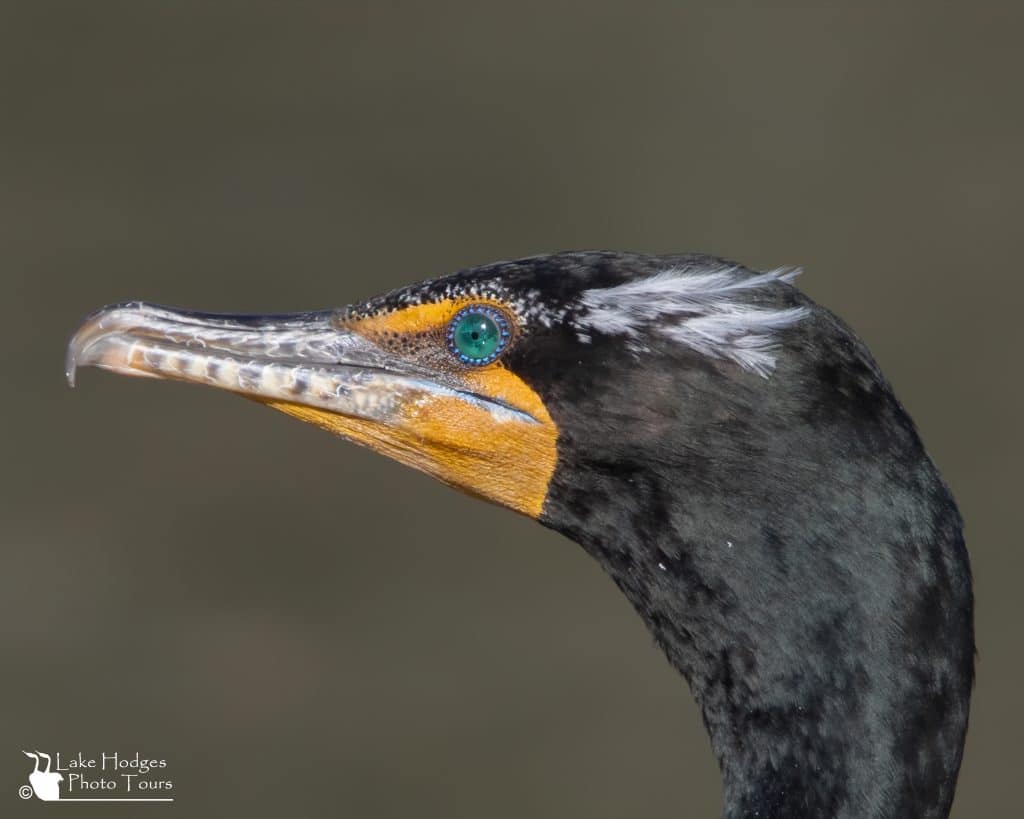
x=700, y=307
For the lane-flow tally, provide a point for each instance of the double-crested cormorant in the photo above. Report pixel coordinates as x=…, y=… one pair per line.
x=726, y=449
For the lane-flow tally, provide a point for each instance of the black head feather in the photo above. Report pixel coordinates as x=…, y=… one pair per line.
x=785, y=537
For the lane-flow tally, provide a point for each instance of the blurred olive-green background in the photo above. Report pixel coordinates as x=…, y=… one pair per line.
x=304, y=629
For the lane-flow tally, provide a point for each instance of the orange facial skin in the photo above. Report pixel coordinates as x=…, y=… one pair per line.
x=507, y=460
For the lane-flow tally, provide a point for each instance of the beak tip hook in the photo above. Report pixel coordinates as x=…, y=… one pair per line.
x=71, y=364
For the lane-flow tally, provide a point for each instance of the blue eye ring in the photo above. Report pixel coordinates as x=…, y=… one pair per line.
x=478, y=334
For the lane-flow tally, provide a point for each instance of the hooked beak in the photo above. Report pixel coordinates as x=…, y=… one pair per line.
x=306, y=359
x=484, y=432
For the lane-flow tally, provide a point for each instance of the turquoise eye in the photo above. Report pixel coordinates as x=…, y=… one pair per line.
x=478, y=334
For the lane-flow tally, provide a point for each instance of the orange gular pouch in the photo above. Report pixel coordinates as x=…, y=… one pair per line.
x=479, y=428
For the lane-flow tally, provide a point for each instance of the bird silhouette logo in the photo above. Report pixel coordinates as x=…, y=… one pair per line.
x=44, y=784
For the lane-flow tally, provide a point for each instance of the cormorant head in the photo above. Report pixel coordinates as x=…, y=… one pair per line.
x=727, y=449
x=483, y=377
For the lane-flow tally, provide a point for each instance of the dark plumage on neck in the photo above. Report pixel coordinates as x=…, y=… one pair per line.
x=794, y=552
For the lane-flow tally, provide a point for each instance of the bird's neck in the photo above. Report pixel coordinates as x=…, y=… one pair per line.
x=833, y=677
